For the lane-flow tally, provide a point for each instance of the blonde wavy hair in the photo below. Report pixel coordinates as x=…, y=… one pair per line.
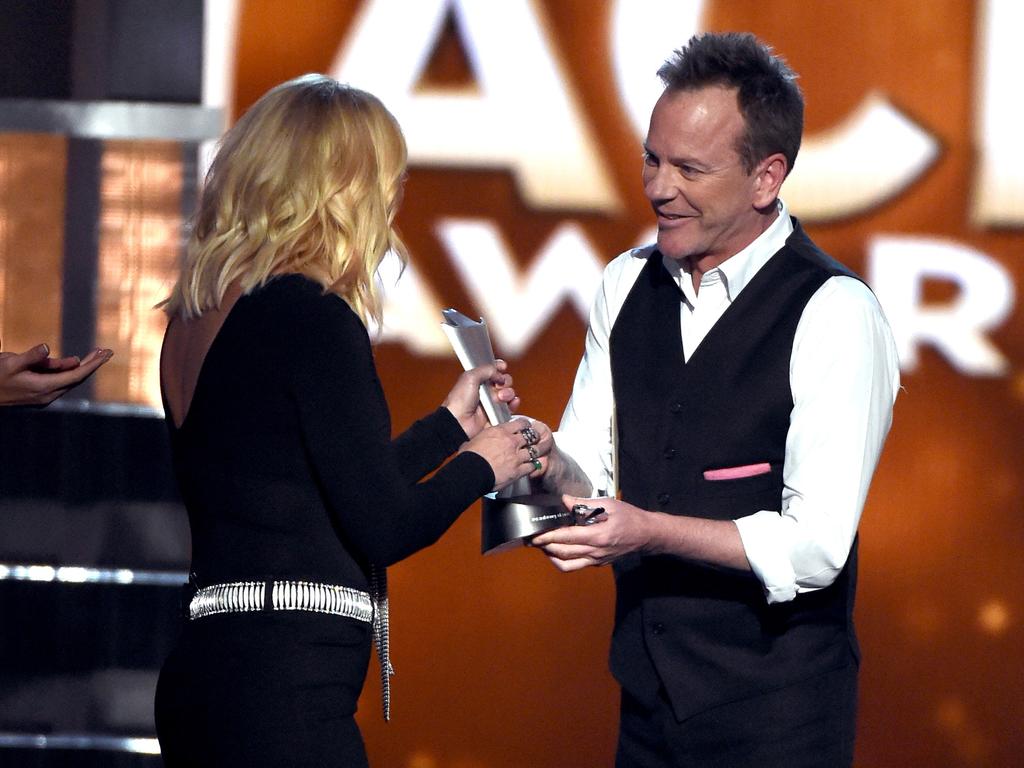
x=307, y=181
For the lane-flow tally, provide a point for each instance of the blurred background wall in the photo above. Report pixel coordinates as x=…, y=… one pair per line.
x=524, y=121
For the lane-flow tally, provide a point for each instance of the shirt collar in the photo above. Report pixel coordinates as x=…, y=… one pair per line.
x=738, y=270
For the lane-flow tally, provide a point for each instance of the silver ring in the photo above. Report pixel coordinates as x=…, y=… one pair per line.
x=586, y=515
x=530, y=436
x=533, y=453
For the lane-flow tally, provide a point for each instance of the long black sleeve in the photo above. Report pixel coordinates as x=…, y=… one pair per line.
x=346, y=431
x=428, y=442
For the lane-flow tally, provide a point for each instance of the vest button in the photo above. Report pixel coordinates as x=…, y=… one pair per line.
x=657, y=628
x=676, y=407
x=664, y=498
x=669, y=453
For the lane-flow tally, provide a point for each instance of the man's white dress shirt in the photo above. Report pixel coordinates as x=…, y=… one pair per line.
x=844, y=376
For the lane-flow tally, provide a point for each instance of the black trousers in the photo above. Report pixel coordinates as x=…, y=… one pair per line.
x=808, y=725
x=274, y=690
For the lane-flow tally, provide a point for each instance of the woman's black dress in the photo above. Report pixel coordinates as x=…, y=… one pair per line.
x=288, y=471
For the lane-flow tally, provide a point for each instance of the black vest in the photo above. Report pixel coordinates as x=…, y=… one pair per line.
x=707, y=634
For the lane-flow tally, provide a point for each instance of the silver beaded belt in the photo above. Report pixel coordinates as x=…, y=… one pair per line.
x=370, y=607
x=241, y=596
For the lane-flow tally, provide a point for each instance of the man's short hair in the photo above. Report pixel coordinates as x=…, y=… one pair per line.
x=769, y=98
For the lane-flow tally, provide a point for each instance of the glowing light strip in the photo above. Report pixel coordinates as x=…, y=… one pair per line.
x=5, y=180
x=76, y=574
x=111, y=119
x=220, y=37
x=220, y=40
x=138, y=745
x=106, y=409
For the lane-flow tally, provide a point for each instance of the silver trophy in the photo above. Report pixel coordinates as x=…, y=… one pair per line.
x=516, y=512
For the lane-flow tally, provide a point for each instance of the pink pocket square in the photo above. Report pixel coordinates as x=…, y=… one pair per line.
x=733, y=473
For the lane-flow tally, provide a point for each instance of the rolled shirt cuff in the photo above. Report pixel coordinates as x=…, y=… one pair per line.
x=764, y=542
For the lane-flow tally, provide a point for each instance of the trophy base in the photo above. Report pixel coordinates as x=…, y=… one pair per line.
x=508, y=522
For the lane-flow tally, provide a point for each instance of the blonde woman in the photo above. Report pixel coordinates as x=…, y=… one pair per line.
x=297, y=497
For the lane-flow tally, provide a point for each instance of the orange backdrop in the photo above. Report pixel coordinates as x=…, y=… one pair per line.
x=501, y=661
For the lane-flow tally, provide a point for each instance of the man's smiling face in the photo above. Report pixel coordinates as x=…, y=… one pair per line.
x=705, y=200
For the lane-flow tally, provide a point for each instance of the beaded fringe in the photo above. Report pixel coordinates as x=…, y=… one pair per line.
x=379, y=595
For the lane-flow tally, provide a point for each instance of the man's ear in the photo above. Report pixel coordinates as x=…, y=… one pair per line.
x=770, y=173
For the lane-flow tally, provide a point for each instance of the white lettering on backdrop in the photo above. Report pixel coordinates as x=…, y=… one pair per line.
x=897, y=269
x=998, y=197
x=524, y=116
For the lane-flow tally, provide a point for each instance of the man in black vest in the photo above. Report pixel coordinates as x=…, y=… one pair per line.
x=735, y=392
